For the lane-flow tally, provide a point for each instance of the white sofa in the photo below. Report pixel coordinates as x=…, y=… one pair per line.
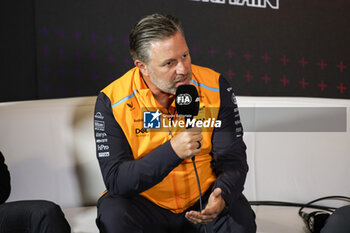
x=50, y=151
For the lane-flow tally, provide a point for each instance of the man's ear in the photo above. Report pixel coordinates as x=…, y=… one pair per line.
x=142, y=67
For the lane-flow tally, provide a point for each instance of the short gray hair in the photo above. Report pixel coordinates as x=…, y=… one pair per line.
x=151, y=28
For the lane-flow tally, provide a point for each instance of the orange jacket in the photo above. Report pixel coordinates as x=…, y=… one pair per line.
x=130, y=97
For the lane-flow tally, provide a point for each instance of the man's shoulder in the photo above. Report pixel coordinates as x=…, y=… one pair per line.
x=120, y=87
x=201, y=70
x=206, y=77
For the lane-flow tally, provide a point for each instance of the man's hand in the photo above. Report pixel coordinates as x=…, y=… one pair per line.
x=185, y=144
x=214, y=207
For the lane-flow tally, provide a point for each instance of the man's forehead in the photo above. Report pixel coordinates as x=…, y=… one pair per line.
x=168, y=48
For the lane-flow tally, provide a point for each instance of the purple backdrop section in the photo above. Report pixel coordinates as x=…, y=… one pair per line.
x=263, y=47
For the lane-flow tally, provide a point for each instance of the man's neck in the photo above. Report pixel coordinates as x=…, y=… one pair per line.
x=163, y=98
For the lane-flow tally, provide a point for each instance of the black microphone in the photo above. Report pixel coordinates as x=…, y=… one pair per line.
x=187, y=105
x=187, y=101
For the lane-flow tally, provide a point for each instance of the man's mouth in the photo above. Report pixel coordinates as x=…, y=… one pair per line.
x=184, y=80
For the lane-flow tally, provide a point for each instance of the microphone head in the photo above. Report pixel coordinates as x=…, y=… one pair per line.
x=187, y=100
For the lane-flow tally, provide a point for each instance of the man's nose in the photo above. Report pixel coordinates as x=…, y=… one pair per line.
x=181, y=68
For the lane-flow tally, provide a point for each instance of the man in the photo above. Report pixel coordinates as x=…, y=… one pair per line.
x=37, y=216
x=150, y=179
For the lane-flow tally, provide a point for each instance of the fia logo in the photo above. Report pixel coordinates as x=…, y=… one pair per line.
x=151, y=120
x=183, y=99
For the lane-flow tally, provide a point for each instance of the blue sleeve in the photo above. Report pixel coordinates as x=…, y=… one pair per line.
x=229, y=150
x=122, y=174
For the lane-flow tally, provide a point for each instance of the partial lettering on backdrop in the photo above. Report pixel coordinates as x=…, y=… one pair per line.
x=274, y=4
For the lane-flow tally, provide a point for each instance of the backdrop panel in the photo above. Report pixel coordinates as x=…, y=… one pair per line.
x=263, y=47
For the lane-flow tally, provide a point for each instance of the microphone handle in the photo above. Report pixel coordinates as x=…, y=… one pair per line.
x=188, y=127
x=198, y=182
x=195, y=168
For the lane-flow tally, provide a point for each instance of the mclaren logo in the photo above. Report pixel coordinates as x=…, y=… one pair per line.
x=131, y=106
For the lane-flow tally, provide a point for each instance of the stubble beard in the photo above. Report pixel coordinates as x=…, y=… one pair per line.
x=168, y=87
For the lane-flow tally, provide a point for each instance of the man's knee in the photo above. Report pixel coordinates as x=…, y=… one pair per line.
x=243, y=215
x=225, y=223
x=114, y=215
x=48, y=215
x=36, y=216
x=45, y=208
x=338, y=221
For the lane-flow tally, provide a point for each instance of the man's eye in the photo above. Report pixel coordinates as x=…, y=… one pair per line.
x=168, y=63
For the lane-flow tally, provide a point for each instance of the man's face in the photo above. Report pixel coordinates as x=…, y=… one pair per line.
x=170, y=63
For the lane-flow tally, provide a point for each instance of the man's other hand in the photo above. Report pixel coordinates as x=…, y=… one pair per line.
x=214, y=207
